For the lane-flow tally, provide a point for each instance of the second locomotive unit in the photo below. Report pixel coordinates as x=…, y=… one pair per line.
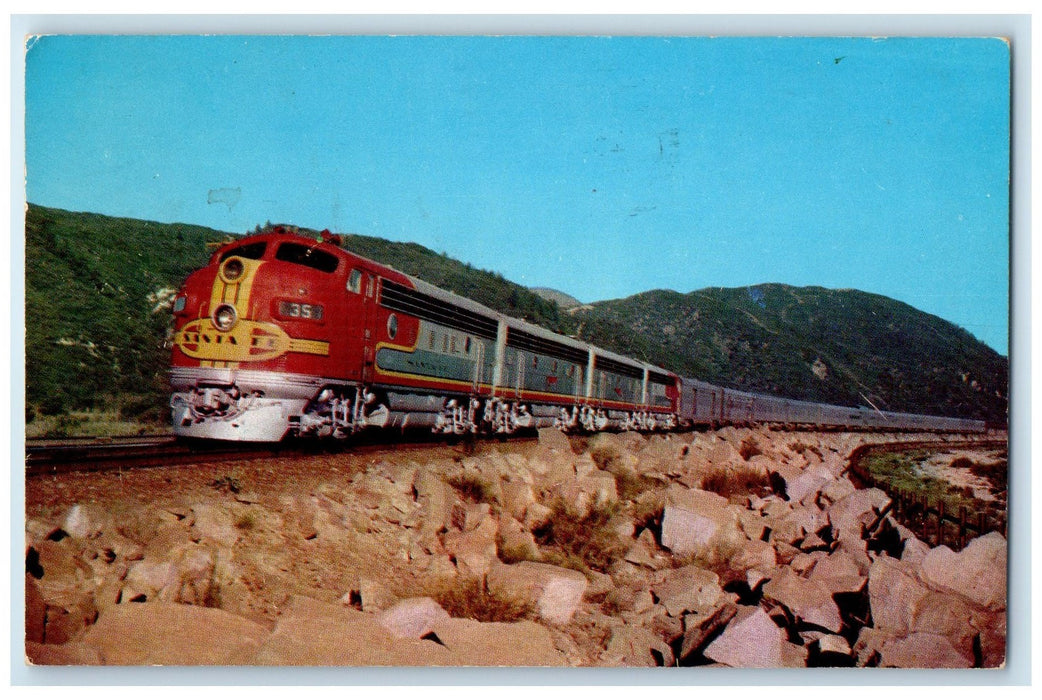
x=286, y=334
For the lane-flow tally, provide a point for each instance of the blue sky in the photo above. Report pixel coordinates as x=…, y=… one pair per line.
x=601, y=167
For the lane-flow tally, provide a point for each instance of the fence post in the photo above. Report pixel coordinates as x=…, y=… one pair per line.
x=962, y=526
x=940, y=522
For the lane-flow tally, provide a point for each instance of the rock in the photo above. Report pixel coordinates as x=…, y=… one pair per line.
x=581, y=493
x=755, y=577
x=169, y=536
x=838, y=573
x=688, y=589
x=474, y=550
x=537, y=515
x=752, y=640
x=436, y=499
x=977, y=572
x=753, y=524
x=37, y=530
x=695, y=522
x=83, y=522
x=111, y=547
x=808, y=601
x=797, y=523
x=517, y=497
x=67, y=623
x=523, y=643
x=807, y=484
x=895, y=594
x=69, y=654
x=516, y=542
x=412, y=617
x=642, y=554
x=724, y=454
x=949, y=615
x=166, y=633
x=869, y=641
x=475, y=515
x=312, y=633
x=922, y=650
x=374, y=595
x=835, y=490
x=152, y=581
x=553, y=591
x=65, y=580
x=700, y=627
x=851, y=514
x=553, y=440
x=215, y=523
x=834, y=644
x=35, y=611
x=631, y=645
x=804, y=562
x=195, y=566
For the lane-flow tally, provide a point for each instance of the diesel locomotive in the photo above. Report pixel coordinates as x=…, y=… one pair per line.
x=283, y=334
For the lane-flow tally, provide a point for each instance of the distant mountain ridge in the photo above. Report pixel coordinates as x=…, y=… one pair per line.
x=565, y=301
x=97, y=317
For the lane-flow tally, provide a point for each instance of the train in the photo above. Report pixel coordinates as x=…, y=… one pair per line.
x=288, y=334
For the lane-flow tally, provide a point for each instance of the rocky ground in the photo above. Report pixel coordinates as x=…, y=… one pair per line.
x=739, y=547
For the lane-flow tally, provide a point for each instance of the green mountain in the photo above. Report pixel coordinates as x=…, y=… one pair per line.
x=98, y=293
x=97, y=307
x=838, y=346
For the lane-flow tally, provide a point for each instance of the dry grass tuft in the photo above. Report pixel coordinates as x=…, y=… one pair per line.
x=736, y=482
x=580, y=541
x=472, y=487
x=471, y=599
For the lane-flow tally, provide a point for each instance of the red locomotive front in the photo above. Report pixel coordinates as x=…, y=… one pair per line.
x=260, y=332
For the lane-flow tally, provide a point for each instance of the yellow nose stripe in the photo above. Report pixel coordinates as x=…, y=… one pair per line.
x=237, y=292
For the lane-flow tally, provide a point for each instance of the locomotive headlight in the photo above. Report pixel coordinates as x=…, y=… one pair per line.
x=232, y=269
x=224, y=317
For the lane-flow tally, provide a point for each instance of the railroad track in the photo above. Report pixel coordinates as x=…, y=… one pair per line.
x=44, y=457
x=101, y=454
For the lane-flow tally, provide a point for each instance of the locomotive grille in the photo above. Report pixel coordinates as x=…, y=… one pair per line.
x=659, y=378
x=618, y=368
x=533, y=343
x=400, y=298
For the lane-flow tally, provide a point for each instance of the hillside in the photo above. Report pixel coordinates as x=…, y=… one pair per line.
x=839, y=346
x=565, y=301
x=97, y=315
x=97, y=293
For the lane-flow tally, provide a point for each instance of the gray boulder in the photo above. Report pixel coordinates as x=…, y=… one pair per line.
x=922, y=650
x=166, y=633
x=895, y=594
x=752, y=640
x=977, y=572
x=808, y=601
x=412, y=618
x=688, y=589
x=554, y=592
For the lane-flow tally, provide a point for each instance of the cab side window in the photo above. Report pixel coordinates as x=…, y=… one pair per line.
x=354, y=281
